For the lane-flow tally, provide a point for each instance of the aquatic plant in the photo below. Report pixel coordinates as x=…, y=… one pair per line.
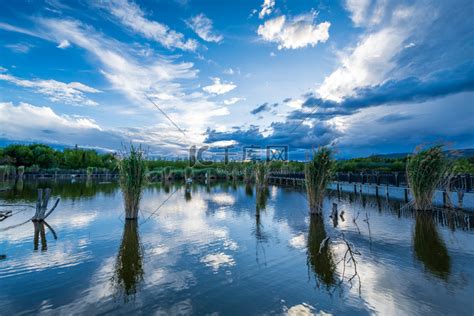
x=90, y=171
x=429, y=246
x=426, y=171
x=318, y=173
x=132, y=179
x=3, y=172
x=248, y=174
x=166, y=173
x=188, y=172
x=319, y=255
x=235, y=173
x=248, y=189
x=261, y=175
x=21, y=172
x=129, y=262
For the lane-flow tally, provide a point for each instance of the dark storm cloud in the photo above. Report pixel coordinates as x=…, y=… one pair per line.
x=392, y=118
x=411, y=89
x=266, y=107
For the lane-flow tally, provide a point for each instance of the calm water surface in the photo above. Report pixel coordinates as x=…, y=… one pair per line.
x=204, y=251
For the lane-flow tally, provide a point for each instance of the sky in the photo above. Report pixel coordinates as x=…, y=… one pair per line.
x=365, y=76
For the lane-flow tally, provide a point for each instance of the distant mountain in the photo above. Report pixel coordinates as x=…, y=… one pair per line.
x=457, y=153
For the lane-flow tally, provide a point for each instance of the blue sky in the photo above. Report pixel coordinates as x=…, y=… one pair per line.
x=368, y=76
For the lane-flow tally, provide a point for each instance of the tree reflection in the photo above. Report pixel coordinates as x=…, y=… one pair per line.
x=129, y=263
x=429, y=246
x=248, y=189
x=262, y=195
x=320, y=257
x=187, y=193
x=40, y=234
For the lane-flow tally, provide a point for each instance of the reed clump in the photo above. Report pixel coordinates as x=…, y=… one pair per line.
x=21, y=172
x=132, y=179
x=166, y=173
x=188, y=172
x=261, y=175
x=426, y=171
x=318, y=172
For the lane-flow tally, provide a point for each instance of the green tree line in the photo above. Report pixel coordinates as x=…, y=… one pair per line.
x=46, y=157
x=40, y=156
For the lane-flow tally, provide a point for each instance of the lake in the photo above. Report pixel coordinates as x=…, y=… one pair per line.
x=210, y=250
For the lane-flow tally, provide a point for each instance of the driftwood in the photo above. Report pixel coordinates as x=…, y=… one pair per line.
x=42, y=205
x=5, y=215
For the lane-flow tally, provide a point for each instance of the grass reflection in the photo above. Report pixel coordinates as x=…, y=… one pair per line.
x=429, y=247
x=129, y=263
x=319, y=257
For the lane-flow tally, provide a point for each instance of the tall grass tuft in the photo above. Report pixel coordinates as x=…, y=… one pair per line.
x=132, y=179
x=166, y=173
x=248, y=174
x=90, y=171
x=3, y=173
x=188, y=172
x=261, y=175
x=318, y=172
x=426, y=171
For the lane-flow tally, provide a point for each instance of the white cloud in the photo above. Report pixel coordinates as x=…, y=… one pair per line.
x=136, y=76
x=358, y=10
x=366, y=12
x=16, y=29
x=267, y=8
x=26, y=122
x=298, y=32
x=217, y=260
x=202, y=26
x=20, y=47
x=233, y=101
x=29, y=122
x=64, y=44
x=57, y=91
x=370, y=62
x=133, y=76
x=219, y=87
x=295, y=103
x=132, y=16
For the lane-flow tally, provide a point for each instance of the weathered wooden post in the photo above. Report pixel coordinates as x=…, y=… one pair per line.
x=42, y=205
x=445, y=199
x=468, y=183
x=406, y=195
x=460, y=198
x=376, y=190
x=334, y=214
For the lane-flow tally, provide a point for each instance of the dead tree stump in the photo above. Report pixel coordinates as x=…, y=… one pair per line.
x=42, y=205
